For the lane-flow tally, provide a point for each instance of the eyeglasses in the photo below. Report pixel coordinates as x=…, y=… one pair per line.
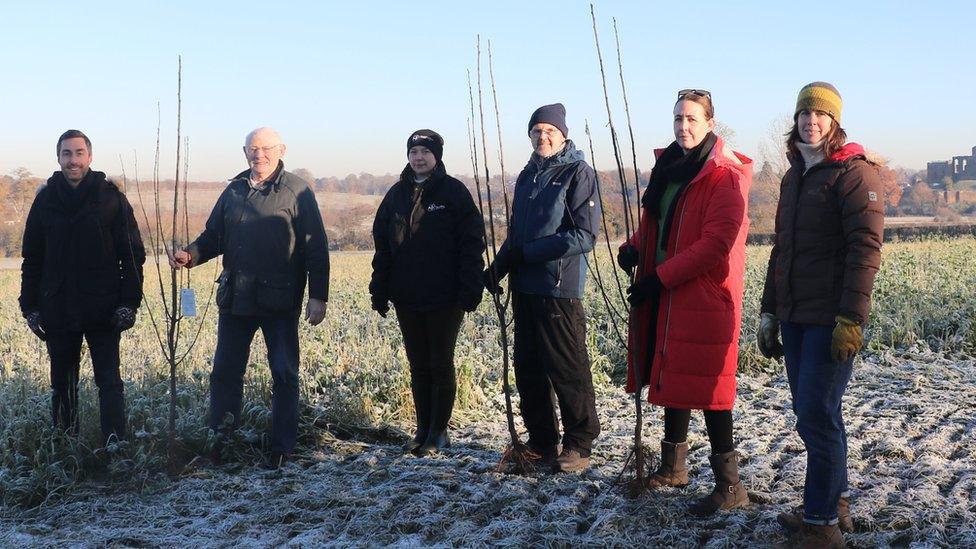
x=265, y=150
x=692, y=91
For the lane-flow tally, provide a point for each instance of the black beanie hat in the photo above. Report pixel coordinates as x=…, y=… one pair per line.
x=554, y=114
x=429, y=139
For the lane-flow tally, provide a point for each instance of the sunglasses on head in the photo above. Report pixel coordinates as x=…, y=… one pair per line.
x=692, y=91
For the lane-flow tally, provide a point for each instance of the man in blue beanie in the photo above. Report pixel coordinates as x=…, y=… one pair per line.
x=554, y=224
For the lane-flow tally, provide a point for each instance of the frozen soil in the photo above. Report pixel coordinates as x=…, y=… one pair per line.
x=912, y=436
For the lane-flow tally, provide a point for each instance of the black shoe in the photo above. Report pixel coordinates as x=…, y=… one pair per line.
x=434, y=444
x=441, y=405
x=278, y=460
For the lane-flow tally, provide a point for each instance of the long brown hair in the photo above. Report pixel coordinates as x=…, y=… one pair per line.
x=835, y=139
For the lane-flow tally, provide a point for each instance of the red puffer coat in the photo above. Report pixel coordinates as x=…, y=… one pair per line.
x=698, y=320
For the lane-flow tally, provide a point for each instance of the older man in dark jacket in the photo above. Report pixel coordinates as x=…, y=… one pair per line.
x=82, y=279
x=268, y=228
x=554, y=224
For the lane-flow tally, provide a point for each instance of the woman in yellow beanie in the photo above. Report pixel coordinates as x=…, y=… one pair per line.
x=827, y=251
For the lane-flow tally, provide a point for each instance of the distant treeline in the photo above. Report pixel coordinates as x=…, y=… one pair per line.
x=348, y=222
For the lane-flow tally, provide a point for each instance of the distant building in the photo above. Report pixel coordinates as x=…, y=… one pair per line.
x=958, y=169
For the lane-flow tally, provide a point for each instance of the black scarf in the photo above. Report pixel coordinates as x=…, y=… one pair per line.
x=674, y=166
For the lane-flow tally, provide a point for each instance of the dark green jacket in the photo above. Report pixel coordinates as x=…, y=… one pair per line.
x=272, y=240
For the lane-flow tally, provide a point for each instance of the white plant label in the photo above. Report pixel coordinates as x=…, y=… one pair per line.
x=188, y=302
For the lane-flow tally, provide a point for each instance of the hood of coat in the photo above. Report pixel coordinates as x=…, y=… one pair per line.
x=72, y=199
x=848, y=151
x=722, y=156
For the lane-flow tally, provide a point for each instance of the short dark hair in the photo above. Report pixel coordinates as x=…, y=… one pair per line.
x=70, y=134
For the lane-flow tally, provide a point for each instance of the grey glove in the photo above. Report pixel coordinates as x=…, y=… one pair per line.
x=123, y=318
x=768, y=337
x=35, y=325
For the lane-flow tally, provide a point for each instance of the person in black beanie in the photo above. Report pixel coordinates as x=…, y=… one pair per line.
x=82, y=280
x=429, y=239
x=555, y=213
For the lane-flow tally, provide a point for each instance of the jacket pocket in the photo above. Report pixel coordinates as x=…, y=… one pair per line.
x=275, y=294
x=225, y=290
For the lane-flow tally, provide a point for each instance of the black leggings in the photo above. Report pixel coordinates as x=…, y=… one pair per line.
x=718, y=423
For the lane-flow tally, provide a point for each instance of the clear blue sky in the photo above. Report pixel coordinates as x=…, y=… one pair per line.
x=346, y=83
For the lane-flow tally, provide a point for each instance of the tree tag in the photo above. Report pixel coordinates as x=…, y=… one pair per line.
x=188, y=302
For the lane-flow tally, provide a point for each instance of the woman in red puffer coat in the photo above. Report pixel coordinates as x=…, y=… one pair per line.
x=686, y=301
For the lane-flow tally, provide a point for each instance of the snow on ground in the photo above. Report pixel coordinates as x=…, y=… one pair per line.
x=912, y=433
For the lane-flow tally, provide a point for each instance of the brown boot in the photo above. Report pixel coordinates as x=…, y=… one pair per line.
x=729, y=493
x=794, y=521
x=546, y=457
x=570, y=460
x=817, y=536
x=673, y=470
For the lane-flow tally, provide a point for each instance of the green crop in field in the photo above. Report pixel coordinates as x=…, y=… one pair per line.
x=354, y=372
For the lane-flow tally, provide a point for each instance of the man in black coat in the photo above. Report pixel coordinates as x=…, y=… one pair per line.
x=82, y=278
x=268, y=228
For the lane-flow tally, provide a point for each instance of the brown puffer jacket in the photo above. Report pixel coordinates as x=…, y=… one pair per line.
x=829, y=226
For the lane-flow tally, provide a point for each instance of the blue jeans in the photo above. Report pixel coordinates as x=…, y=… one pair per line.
x=817, y=384
x=234, y=335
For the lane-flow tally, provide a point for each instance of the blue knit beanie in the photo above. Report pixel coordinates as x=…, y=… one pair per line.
x=554, y=114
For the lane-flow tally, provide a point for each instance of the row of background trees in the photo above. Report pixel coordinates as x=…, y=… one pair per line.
x=348, y=226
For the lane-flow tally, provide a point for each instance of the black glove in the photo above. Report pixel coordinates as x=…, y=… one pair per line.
x=515, y=256
x=767, y=337
x=470, y=303
x=380, y=305
x=627, y=258
x=123, y=318
x=493, y=288
x=35, y=325
x=640, y=291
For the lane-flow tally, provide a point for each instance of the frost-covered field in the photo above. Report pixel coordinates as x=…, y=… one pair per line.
x=912, y=429
x=910, y=418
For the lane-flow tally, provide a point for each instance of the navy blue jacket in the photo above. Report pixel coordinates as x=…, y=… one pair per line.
x=429, y=251
x=555, y=217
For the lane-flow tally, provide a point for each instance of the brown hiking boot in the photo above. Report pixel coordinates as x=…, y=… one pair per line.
x=570, y=460
x=673, y=470
x=794, y=521
x=729, y=493
x=545, y=457
x=818, y=536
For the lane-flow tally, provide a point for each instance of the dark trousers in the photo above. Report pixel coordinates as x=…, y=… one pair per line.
x=718, y=424
x=430, y=338
x=64, y=349
x=234, y=336
x=817, y=384
x=551, y=359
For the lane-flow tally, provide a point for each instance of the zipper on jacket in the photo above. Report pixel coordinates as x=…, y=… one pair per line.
x=796, y=207
x=667, y=322
x=559, y=272
x=413, y=209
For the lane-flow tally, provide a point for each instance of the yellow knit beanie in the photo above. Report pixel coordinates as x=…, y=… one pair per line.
x=819, y=96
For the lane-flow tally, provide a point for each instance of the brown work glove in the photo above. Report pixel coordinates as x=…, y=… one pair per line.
x=847, y=339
